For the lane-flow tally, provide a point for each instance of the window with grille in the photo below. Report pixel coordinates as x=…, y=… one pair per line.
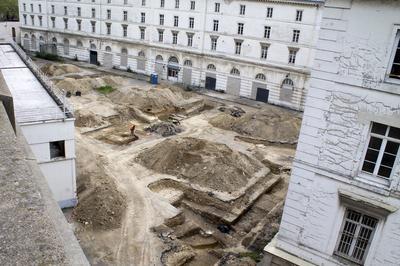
x=264, y=51
x=214, y=43
x=242, y=9
x=189, y=39
x=292, y=56
x=160, y=35
x=382, y=151
x=267, y=32
x=238, y=47
x=270, y=10
x=176, y=21
x=142, y=33
x=217, y=7
x=191, y=23
x=240, y=28
x=215, y=25
x=161, y=19
x=296, y=36
x=108, y=28
x=174, y=38
x=395, y=65
x=356, y=235
x=299, y=15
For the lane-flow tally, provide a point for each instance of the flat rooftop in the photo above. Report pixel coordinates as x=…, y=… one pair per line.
x=32, y=102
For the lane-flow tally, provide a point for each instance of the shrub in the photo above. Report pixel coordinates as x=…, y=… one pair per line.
x=48, y=56
x=252, y=255
x=105, y=89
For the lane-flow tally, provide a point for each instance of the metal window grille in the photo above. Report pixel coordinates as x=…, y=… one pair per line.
x=356, y=235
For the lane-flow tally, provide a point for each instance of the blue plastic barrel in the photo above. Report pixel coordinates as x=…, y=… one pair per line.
x=154, y=78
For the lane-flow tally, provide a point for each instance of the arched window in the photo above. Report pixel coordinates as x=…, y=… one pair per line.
x=26, y=36
x=211, y=67
x=33, y=42
x=54, y=40
x=187, y=63
x=79, y=44
x=93, y=46
x=159, y=58
x=260, y=76
x=66, y=42
x=173, y=60
x=141, y=54
x=235, y=72
x=124, y=51
x=287, y=83
x=41, y=39
x=108, y=49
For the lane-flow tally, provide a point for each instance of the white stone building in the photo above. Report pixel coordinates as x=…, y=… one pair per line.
x=10, y=30
x=342, y=207
x=45, y=120
x=257, y=49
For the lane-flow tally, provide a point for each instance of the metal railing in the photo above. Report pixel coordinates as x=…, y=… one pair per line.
x=58, y=95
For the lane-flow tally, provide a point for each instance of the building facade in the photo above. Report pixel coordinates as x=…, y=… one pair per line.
x=257, y=49
x=45, y=120
x=342, y=207
x=10, y=30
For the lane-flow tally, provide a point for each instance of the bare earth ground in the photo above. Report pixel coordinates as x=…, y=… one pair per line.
x=211, y=194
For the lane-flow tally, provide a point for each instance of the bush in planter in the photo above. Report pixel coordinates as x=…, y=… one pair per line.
x=48, y=56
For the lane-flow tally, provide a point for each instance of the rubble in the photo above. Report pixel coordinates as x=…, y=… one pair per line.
x=164, y=129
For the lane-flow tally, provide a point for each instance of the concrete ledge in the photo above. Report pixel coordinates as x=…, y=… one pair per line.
x=34, y=230
x=288, y=258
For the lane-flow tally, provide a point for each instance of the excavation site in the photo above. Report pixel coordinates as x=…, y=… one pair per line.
x=169, y=176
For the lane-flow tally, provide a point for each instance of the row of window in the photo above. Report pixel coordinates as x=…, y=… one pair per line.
x=240, y=28
x=217, y=6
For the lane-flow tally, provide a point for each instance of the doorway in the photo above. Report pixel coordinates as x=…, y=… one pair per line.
x=262, y=95
x=93, y=57
x=211, y=81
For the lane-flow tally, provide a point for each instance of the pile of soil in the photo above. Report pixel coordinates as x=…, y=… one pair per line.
x=273, y=124
x=84, y=118
x=101, y=205
x=164, y=129
x=208, y=164
x=59, y=69
x=86, y=84
x=157, y=101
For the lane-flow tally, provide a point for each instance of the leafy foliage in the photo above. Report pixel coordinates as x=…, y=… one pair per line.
x=105, y=89
x=8, y=10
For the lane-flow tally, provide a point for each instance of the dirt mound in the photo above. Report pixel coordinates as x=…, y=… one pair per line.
x=101, y=205
x=84, y=118
x=59, y=69
x=86, y=84
x=208, y=164
x=157, y=101
x=164, y=129
x=274, y=124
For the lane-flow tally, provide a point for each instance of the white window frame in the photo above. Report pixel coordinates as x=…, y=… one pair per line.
x=242, y=10
x=240, y=28
x=267, y=32
x=190, y=39
x=125, y=15
x=142, y=17
x=292, y=55
x=296, y=36
x=162, y=19
x=215, y=24
x=373, y=176
x=192, y=5
x=191, y=23
x=217, y=7
x=394, y=43
x=214, y=41
x=176, y=21
x=160, y=35
x=374, y=236
x=270, y=12
x=299, y=15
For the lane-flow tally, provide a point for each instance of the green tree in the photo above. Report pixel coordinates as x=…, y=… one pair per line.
x=8, y=10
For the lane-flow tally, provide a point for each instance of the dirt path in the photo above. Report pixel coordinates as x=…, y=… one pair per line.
x=136, y=245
